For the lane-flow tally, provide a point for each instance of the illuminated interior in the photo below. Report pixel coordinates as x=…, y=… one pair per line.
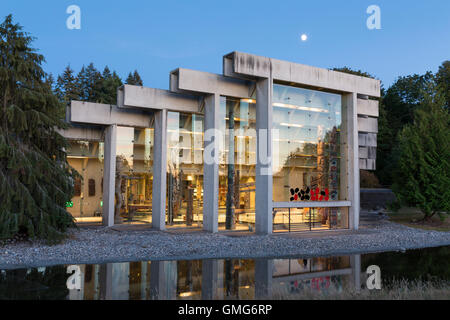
x=87, y=158
x=239, y=126
x=184, y=201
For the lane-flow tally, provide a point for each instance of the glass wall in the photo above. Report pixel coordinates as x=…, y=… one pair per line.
x=307, y=219
x=134, y=174
x=86, y=157
x=307, y=155
x=237, y=163
x=184, y=169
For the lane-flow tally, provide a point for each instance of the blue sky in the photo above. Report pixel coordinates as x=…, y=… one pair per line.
x=156, y=37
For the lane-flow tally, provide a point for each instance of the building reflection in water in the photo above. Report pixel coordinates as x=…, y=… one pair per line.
x=215, y=278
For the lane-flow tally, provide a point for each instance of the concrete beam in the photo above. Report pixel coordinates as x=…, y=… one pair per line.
x=368, y=107
x=238, y=64
x=150, y=98
x=367, y=139
x=367, y=124
x=198, y=82
x=106, y=114
x=82, y=133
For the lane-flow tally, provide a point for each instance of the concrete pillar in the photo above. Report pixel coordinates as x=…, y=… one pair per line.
x=352, y=156
x=264, y=197
x=355, y=263
x=263, y=278
x=120, y=281
x=105, y=281
x=210, y=274
x=159, y=171
x=109, y=175
x=211, y=164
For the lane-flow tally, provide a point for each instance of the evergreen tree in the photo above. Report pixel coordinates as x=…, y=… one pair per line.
x=67, y=88
x=443, y=79
x=110, y=83
x=422, y=178
x=35, y=179
x=89, y=81
x=134, y=79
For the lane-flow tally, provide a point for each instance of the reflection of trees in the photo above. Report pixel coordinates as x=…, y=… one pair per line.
x=411, y=265
x=34, y=285
x=315, y=158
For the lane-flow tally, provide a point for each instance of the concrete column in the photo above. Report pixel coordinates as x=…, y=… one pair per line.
x=158, y=285
x=210, y=274
x=264, y=197
x=352, y=156
x=355, y=263
x=263, y=278
x=211, y=164
x=159, y=171
x=109, y=175
x=105, y=281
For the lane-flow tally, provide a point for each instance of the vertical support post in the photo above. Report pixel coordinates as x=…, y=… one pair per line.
x=352, y=155
x=264, y=179
x=210, y=273
x=355, y=263
x=160, y=171
x=105, y=281
x=211, y=164
x=263, y=278
x=109, y=175
x=158, y=280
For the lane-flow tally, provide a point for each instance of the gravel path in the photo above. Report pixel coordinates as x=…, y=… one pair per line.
x=102, y=244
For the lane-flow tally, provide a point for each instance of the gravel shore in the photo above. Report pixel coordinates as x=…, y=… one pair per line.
x=102, y=244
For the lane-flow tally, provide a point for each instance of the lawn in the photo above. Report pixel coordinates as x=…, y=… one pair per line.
x=411, y=217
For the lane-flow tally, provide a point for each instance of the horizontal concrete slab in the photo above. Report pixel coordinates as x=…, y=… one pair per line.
x=193, y=81
x=367, y=139
x=105, y=114
x=158, y=99
x=367, y=107
x=367, y=164
x=251, y=66
x=367, y=124
x=82, y=133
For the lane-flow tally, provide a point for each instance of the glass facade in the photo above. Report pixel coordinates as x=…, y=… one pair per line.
x=307, y=153
x=237, y=162
x=308, y=219
x=184, y=169
x=87, y=158
x=134, y=178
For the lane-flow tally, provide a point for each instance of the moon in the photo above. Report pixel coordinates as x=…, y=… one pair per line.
x=304, y=37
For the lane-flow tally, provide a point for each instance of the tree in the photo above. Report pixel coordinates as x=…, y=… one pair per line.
x=108, y=87
x=443, y=79
x=67, y=88
x=134, y=79
x=422, y=177
x=35, y=179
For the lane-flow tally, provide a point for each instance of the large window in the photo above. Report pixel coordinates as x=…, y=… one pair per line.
x=134, y=176
x=307, y=155
x=87, y=158
x=184, y=169
x=237, y=163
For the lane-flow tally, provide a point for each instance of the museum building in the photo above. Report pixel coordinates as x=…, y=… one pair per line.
x=268, y=146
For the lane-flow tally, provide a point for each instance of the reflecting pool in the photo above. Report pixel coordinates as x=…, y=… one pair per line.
x=221, y=279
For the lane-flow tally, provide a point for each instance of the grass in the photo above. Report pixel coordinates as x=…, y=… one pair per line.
x=411, y=217
x=396, y=290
